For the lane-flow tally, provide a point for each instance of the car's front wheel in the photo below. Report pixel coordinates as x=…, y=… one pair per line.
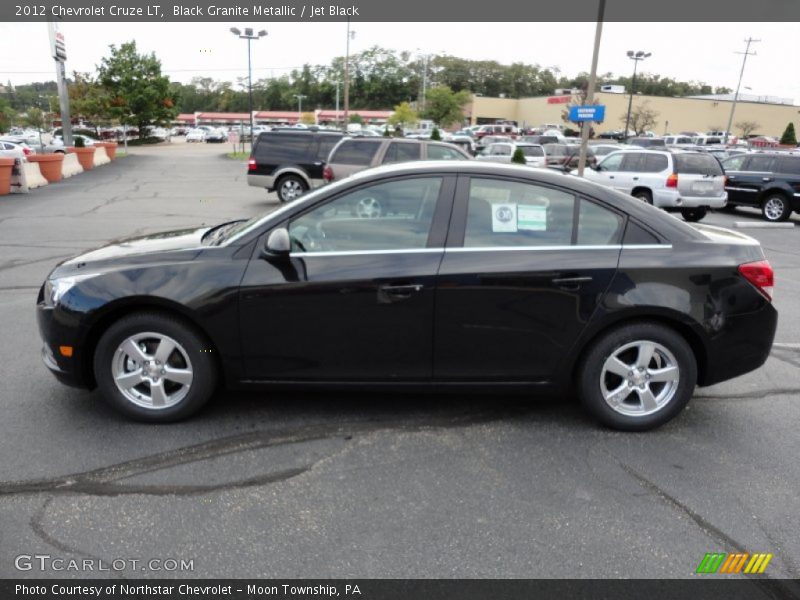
x=154, y=367
x=638, y=376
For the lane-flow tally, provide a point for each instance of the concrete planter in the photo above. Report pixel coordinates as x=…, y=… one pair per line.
x=49, y=164
x=85, y=156
x=6, y=164
x=111, y=148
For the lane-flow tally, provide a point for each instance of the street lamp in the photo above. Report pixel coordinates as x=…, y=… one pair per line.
x=300, y=105
x=249, y=35
x=635, y=57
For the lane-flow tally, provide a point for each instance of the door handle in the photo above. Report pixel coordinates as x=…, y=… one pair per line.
x=394, y=293
x=611, y=177
x=636, y=179
x=766, y=179
x=571, y=284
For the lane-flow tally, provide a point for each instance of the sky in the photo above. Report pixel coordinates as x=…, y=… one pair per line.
x=684, y=51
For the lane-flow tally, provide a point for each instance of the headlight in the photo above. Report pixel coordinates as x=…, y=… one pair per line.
x=54, y=289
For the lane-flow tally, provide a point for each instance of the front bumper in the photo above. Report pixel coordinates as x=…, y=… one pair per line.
x=55, y=332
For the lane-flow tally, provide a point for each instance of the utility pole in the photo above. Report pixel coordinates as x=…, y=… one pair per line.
x=586, y=125
x=350, y=35
x=424, y=80
x=738, y=85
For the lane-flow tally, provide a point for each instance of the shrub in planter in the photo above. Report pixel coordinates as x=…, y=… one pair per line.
x=85, y=153
x=435, y=135
x=519, y=157
x=789, y=138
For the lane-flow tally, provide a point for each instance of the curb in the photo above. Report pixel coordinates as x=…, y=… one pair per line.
x=762, y=225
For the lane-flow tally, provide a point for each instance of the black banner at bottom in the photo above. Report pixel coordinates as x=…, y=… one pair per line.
x=403, y=589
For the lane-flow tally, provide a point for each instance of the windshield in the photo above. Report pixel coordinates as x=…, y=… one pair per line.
x=239, y=229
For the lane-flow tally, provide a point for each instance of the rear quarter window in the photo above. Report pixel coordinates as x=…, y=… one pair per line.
x=697, y=164
x=355, y=152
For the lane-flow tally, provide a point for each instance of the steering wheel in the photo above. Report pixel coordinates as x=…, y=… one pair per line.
x=312, y=239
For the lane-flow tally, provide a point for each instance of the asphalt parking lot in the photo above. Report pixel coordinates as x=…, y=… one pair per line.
x=365, y=485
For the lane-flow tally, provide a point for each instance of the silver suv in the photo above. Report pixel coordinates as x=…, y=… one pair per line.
x=352, y=155
x=689, y=182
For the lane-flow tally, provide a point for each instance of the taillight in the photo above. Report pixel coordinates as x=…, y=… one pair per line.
x=26, y=151
x=327, y=173
x=672, y=180
x=251, y=164
x=760, y=274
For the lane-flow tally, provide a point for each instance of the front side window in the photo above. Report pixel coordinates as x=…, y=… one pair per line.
x=437, y=152
x=734, y=163
x=612, y=163
x=509, y=213
x=396, y=215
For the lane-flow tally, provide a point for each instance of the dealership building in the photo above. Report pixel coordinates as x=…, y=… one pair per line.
x=698, y=113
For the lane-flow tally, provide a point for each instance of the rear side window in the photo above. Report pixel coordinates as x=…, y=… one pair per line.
x=326, y=144
x=790, y=166
x=758, y=163
x=655, y=163
x=532, y=151
x=401, y=152
x=697, y=164
x=283, y=148
x=597, y=226
x=633, y=161
x=355, y=152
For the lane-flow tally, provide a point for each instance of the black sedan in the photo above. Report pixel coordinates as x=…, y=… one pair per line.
x=472, y=275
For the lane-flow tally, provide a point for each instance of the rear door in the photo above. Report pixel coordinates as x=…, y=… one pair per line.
x=756, y=172
x=633, y=165
x=524, y=269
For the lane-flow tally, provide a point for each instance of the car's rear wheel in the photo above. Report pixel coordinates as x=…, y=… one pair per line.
x=693, y=214
x=153, y=367
x=775, y=207
x=291, y=187
x=643, y=195
x=637, y=377
x=368, y=207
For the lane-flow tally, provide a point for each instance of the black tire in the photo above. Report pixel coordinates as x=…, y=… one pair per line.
x=643, y=195
x=290, y=187
x=593, y=375
x=694, y=214
x=191, y=345
x=775, y=207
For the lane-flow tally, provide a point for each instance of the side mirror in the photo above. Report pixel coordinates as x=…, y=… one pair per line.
x=278, y=244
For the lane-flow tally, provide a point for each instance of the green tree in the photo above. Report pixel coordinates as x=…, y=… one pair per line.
x=356, y=118
x=444, y=106
x=138, y=92
x=435, y=135
x=88, y=99
x=7, y=115
x=35, y=117
x=519, y=157
x=403, y=115
x=789, y=138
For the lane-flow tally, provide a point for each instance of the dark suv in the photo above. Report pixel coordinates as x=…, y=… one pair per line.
x=290, y=162
x=769, y=181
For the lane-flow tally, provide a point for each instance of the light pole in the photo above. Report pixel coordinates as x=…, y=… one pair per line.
x=738, y=85
x=249, y=35
x=350, y=36
x=300, y=105
x=635, y=57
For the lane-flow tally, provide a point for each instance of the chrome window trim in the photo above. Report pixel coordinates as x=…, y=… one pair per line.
x=484, y=249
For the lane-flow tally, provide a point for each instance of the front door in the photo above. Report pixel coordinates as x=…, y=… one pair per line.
x=525, y=267
x=354, y=300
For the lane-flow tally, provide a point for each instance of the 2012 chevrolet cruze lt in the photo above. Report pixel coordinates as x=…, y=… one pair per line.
x=464, y=274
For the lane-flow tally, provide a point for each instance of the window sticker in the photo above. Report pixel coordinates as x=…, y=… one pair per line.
x=531, y=218
x=504, y=218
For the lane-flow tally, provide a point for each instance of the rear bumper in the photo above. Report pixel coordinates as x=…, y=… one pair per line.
x=674, y=199
x=744, y=346
x=262, y=181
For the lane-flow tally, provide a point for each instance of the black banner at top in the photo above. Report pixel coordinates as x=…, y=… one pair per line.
x=533, y=11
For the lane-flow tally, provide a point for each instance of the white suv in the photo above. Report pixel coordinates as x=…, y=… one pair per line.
x=689, y=182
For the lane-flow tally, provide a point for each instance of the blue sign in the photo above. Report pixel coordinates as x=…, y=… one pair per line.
x=578, y=114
